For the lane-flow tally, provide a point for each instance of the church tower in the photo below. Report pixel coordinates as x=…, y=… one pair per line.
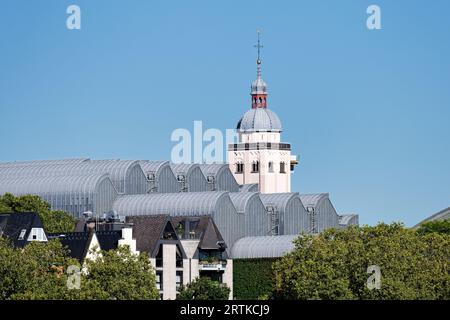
x=260, y=156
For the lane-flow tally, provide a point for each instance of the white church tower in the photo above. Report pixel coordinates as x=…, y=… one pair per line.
x=260, y=156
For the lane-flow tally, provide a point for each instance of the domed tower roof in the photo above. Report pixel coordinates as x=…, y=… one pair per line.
x=259, y=118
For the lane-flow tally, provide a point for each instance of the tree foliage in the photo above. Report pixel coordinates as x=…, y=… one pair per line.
x=438, y=226
x=122, y=275
x=39, y=271
x=204, y=288
x=53, y=221
x=333, y=265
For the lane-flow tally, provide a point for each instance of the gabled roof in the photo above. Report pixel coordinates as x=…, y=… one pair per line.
x=109, y=240
x=204, y=228
x=148, y=231
x=78, y=243
x=12, y=224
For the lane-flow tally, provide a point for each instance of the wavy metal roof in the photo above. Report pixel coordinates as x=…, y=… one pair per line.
x=252, y=187
x=183, y=168
x=117, y=169
x=263, y=247
x=241, y=199
x=312, y=200
x=41, y=162
x=46, y=185
x=153, y=166
x=278, y=199
x=187, y=203
x=347, y=219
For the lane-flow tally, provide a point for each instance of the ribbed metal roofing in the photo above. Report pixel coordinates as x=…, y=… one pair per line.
x=259, y=119
x=153, y=166
x=311, y=200
x=117, y=169
x=213, y=168
x=347, y=219
x=241, y=199
x=183, y=168
x=176, y=204
x=279, y=199
x=41, y=162
x=51, y=185
x=251, y=187
x=263, y=247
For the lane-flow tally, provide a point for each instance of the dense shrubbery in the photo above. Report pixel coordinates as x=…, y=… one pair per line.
x=204, y=288
x=54, y=221
x=442, y=226
x=39, y=271
x=252, y=278
x=333, y=265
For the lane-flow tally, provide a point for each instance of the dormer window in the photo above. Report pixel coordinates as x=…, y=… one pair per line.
x=22, y=234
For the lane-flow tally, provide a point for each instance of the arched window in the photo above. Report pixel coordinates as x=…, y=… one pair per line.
x=260, y=100
x=270, y=166
x=282, y=167
x=255, y=166
x=239, y=167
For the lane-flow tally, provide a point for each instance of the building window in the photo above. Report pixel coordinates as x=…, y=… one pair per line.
x=179, y=279
x=239, y=167
x=159, y=281
x=270, y=166
x=255, y=166
x=282, y=167
x=22, y=234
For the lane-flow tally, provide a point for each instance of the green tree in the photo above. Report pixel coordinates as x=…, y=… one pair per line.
x=439, y=226
x=53, y=221
x=122, y=275
x=333, y=265
x=204, y=288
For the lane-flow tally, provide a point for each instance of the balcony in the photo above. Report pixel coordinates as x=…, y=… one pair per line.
x=205, y=265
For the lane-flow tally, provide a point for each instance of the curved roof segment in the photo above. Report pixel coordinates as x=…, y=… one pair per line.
x=72, y=193
x=241, y=200
x=175, y=204
x=263, y=247
x=160, y=176
x=259, y=119
x=346, y=220
x=216, y=204
x=35, y=163
x=313, y=199
x=190, y=177
x=220, y=177
x=127, y=175
x=45, y=185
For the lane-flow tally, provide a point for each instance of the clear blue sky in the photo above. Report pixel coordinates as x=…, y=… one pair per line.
x=367, y=111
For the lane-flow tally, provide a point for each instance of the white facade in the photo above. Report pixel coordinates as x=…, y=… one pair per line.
x=273, y=161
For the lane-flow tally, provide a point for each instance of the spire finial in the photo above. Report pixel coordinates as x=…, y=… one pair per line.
x=258, y=62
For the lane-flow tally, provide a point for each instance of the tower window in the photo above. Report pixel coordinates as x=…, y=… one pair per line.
x=270, y=166
x=255, y=166
x=239, y=167
x=282, y=167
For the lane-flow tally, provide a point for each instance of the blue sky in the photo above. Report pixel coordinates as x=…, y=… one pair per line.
x=366, y=111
